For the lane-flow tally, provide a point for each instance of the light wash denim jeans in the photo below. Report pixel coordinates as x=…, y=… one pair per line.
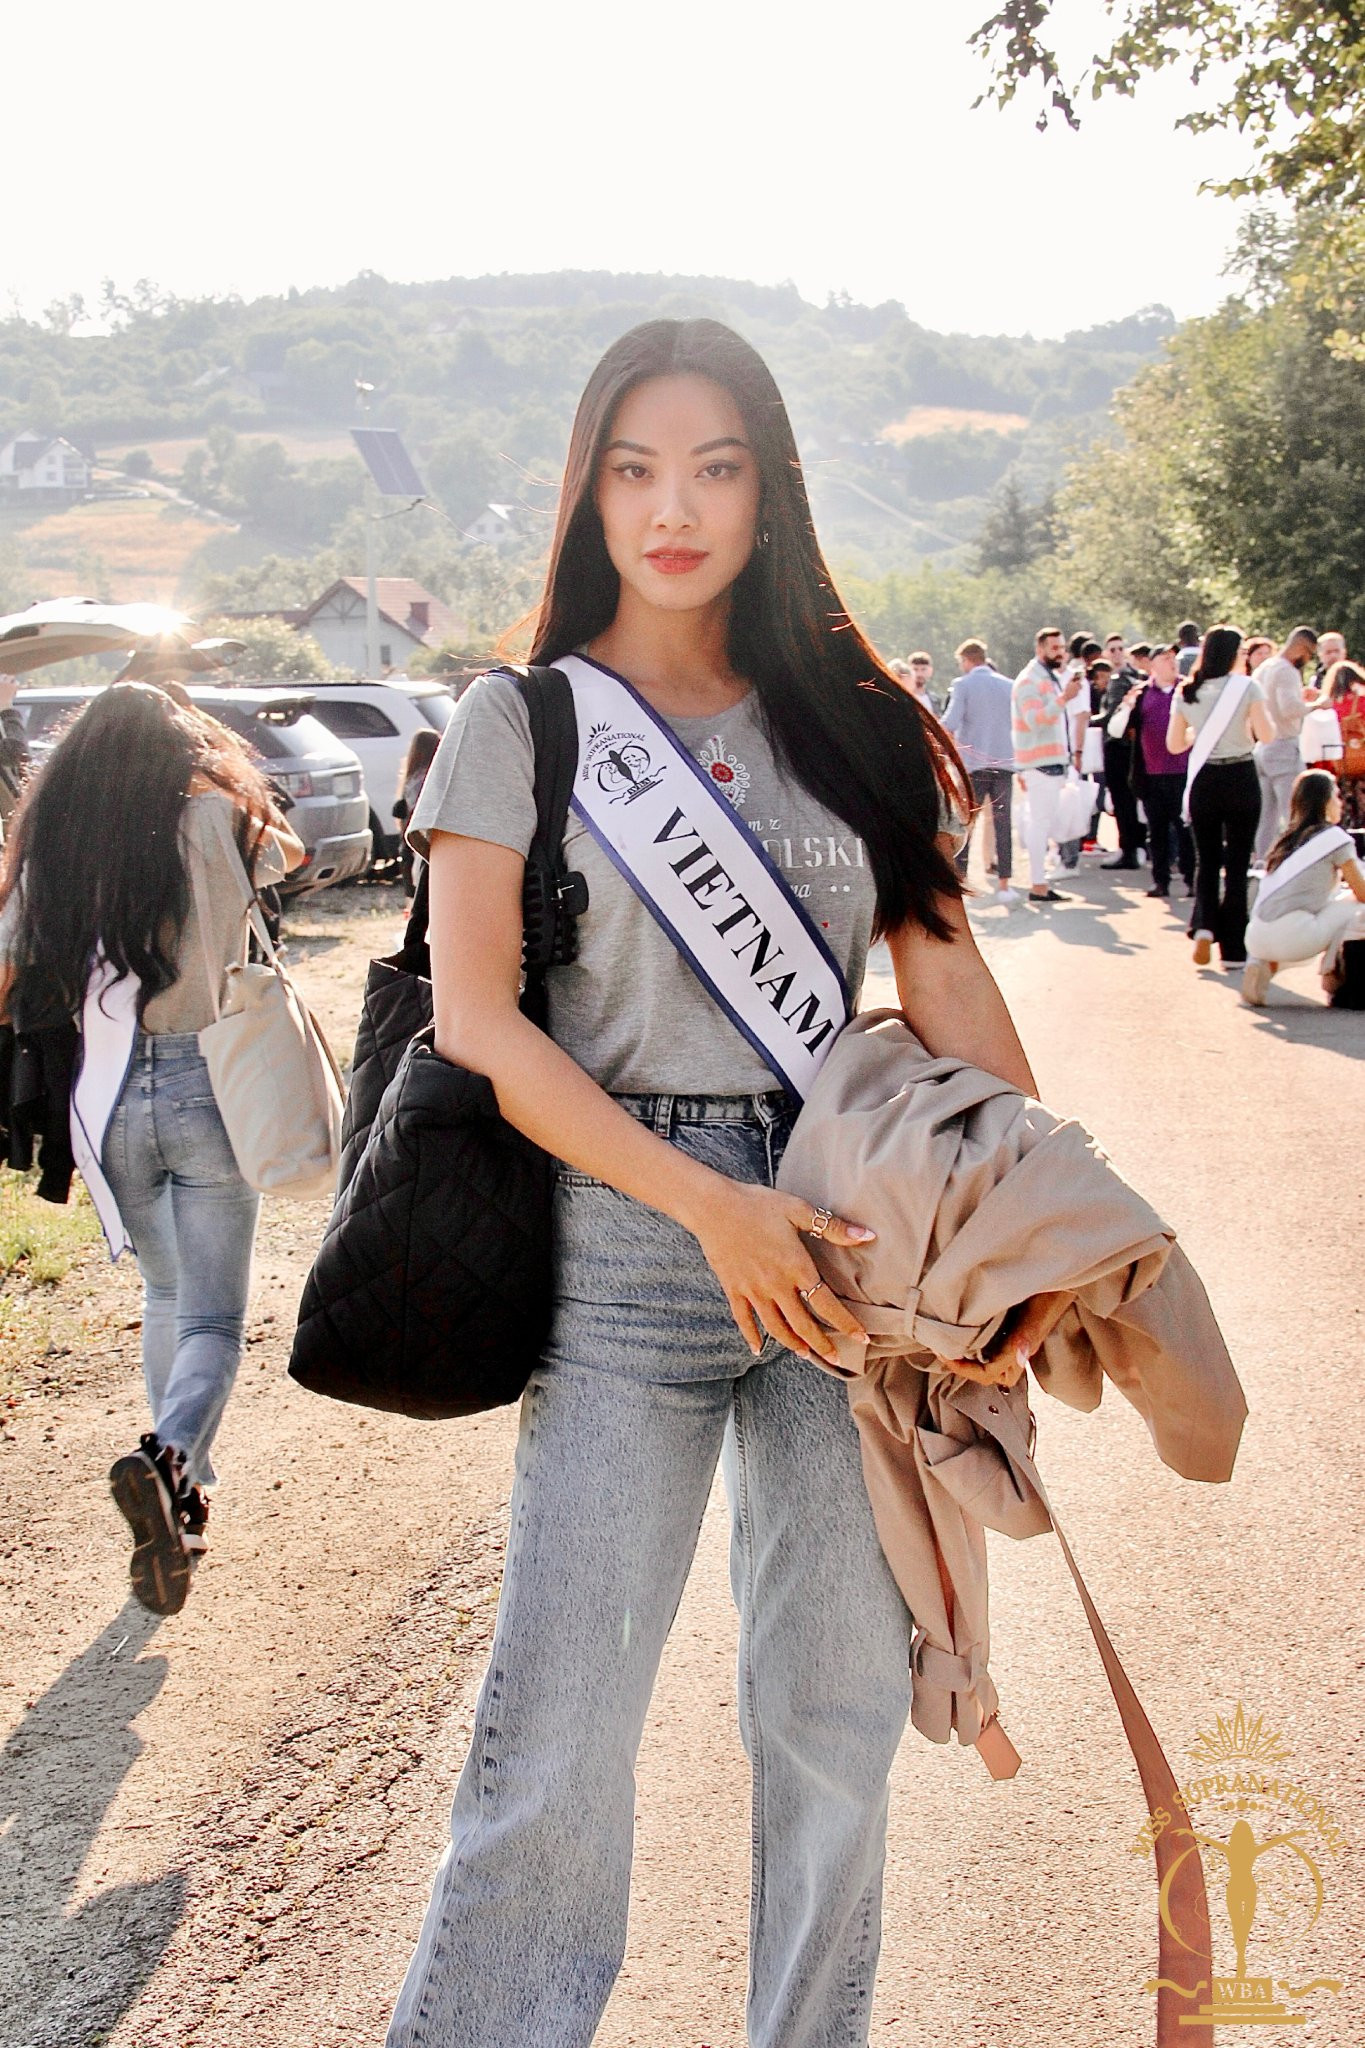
x=645, y=1383
x=192, y=1219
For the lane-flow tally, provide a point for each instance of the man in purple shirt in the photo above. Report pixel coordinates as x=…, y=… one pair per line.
x=1158, y=775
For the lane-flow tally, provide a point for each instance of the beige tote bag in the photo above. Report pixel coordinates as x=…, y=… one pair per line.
x=274, y=1079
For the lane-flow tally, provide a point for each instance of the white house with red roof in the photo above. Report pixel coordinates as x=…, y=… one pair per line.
x=410, y=618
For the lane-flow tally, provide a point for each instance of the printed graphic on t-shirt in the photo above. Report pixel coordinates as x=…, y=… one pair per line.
x=725, y=769
x=815, y=866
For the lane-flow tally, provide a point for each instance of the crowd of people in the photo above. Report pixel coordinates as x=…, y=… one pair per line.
x=1223, y=758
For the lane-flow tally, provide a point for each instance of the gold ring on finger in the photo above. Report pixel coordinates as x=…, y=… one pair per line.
x=820, y=1224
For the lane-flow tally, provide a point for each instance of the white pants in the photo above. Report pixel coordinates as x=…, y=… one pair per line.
x=1279, y=765
x=1043, y=793
x=1302, y=934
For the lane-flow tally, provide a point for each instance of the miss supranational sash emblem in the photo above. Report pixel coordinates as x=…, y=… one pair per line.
x=704, y=878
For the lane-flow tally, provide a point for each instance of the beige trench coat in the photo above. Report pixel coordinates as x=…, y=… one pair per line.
x=980, y=1198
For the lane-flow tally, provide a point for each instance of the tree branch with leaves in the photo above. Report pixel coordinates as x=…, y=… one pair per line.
x=1287, y=75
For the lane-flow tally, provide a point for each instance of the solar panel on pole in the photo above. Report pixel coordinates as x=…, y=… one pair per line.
x=388, y=461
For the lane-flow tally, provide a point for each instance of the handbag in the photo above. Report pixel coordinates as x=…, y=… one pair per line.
x=1352, y=762
x=430, y=1294
x=1075, y=809
x=274, y=1079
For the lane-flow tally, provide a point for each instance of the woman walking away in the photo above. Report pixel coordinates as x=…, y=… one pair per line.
x=1299, y=912
x=105, y=925
x=1216, y=716
x=689, y=606
x=411, y=776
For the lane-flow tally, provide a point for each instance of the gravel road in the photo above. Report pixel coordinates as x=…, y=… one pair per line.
x=218, y=1831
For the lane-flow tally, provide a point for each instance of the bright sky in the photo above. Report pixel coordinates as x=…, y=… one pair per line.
x=251, y=147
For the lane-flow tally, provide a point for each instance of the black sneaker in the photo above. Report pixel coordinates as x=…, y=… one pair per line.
x=145, y=1486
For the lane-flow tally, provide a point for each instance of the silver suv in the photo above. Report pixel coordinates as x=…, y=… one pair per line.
x=321, y=778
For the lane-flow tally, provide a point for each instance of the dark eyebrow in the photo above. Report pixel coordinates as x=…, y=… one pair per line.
x=706, y=448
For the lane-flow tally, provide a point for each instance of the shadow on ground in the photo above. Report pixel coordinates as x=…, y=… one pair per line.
x=71, y=1974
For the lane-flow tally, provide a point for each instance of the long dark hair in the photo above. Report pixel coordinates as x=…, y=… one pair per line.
x=1308, y=803
x=94, y=854
x=837, y=719
x=1222, y=644
x=421, y=752
x=1344, y=678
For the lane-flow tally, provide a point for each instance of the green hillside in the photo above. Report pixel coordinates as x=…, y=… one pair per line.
x=242, y=409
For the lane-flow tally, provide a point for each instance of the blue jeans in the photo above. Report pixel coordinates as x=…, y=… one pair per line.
x=645, y=1383
x=192, y=1219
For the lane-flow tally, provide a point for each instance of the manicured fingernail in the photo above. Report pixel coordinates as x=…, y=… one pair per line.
x=860, y=1233
x=1021, y=1354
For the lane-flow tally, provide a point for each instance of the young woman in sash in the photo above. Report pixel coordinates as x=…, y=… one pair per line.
x=113, y=855
x=1299, y=910
x=1216, y=716
x=756, y=799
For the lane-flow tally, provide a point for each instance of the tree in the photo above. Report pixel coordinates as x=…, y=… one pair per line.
x=1014, y=533
x=1297, y=93
x=1238, y=486
x=276, y=583
x=273, y=651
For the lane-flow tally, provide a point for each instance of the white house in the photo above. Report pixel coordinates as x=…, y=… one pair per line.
x=409, y=618
x=44, y=464
x=494, y=527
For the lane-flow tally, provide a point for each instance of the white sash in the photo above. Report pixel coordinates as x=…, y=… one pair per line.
x=704, y=878
x=108, y=1030
x=1209, y=734
x=1319, y=847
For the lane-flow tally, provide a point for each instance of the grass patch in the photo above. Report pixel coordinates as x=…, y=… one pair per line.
x=39, y=1243
x=142, y=547
x=39, y=1240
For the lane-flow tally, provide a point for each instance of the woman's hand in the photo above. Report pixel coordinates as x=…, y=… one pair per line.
x=1024, y=1334
x=752, y=1238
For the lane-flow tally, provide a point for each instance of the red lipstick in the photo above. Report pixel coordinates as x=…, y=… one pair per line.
x=676, y=561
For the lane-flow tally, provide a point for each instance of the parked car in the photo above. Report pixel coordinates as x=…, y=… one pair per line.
x=378, y=720
x=322, y=779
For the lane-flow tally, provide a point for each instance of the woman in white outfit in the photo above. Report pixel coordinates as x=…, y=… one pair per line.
x=1304, y=913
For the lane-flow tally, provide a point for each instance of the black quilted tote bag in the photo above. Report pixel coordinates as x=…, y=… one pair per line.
x=430, y=1293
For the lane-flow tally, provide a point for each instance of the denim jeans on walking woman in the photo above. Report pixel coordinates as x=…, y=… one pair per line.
x=192, y=1219
x=645, y=1382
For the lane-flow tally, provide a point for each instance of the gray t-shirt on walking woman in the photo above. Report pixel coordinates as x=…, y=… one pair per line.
x=630, y=1010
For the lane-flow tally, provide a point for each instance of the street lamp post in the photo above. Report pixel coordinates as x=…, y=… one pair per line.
x=363, y=394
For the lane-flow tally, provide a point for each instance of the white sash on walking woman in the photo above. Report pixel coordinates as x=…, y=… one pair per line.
x=1209, y=734
x=108, y=1033
x=704, y=878
x=1319, y=847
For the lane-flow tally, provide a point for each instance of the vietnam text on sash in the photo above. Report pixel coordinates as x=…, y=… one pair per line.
x=704, y=878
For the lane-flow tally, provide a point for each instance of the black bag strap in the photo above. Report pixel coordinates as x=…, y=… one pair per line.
x=551, y=897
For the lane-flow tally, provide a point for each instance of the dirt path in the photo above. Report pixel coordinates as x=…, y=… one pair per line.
x=220, y=1830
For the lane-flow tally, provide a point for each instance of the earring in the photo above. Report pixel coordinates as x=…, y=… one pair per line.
x=761, y=539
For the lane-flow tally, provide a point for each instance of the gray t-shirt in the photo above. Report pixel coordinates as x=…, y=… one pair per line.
x=1234, y=742
x=630, y=1010
x=1281, y=684
x=1312, y=889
